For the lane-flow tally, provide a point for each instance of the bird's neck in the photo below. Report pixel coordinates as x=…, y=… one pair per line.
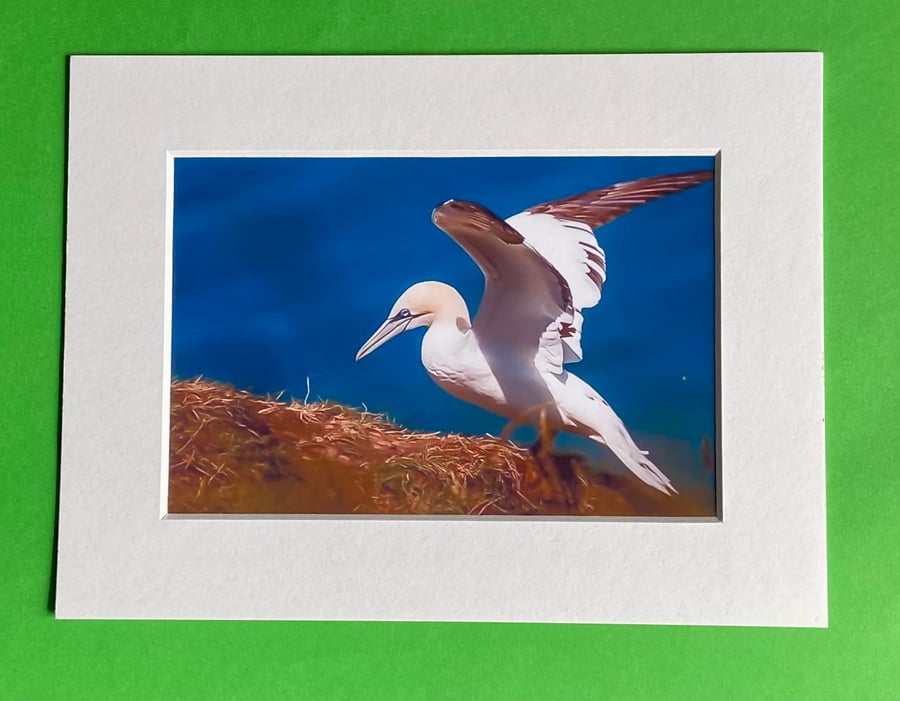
x=449, y=330
x=446, y=342
x=451, y=312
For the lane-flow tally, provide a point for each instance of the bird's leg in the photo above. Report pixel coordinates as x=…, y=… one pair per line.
x=541, y=452
x=542, y=455
x=549, y=465
x=523, y=417
x=545, y=436
x=568, y=480
x=511, y=426
x=540, y=449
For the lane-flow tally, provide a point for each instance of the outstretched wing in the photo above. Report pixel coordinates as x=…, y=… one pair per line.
x=543, y=266
x=562, y=232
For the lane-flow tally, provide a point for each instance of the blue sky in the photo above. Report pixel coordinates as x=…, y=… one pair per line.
x=283, y=267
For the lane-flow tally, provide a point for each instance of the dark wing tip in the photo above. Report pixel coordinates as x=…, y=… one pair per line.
x=472, y=218
x=598, y=207
x=697, y=176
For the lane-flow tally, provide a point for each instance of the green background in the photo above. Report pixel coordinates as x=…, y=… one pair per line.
x=858, y=657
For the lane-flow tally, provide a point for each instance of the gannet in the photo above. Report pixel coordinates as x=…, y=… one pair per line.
x=542, y=268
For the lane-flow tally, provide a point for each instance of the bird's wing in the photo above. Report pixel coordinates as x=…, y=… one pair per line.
x=526, y=300
x=543, y=266
x=562, y=232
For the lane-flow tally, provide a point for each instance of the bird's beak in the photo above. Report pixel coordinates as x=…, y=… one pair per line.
x=385, y=332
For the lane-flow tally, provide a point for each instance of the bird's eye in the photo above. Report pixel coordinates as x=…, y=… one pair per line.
x=403, y=314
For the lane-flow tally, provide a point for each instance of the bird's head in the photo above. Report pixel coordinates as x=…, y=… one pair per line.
x=416, y=307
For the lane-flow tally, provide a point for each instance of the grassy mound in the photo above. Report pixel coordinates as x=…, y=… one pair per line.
x=232, y=452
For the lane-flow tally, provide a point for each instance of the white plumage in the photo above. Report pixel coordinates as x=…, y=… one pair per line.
x=542, y=268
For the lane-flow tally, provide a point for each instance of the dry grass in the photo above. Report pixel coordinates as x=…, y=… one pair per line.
x=232, y=452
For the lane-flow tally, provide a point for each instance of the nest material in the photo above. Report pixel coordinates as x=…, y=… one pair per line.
x=233, y=452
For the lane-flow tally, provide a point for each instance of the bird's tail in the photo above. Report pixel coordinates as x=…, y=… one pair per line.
x=594, y=417
x=610, y=431
x=637, y=461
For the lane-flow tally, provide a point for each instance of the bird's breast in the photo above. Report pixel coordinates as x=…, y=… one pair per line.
x=457, y=364
x=507, y=386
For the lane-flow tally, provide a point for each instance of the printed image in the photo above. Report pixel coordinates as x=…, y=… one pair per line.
x=490, y=335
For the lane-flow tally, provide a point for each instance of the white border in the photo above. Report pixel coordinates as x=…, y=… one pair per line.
x=764, y=564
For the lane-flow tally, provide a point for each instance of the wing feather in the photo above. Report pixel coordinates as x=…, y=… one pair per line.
x=598, y=207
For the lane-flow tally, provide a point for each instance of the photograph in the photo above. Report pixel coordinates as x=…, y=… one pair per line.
x=466, y=335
